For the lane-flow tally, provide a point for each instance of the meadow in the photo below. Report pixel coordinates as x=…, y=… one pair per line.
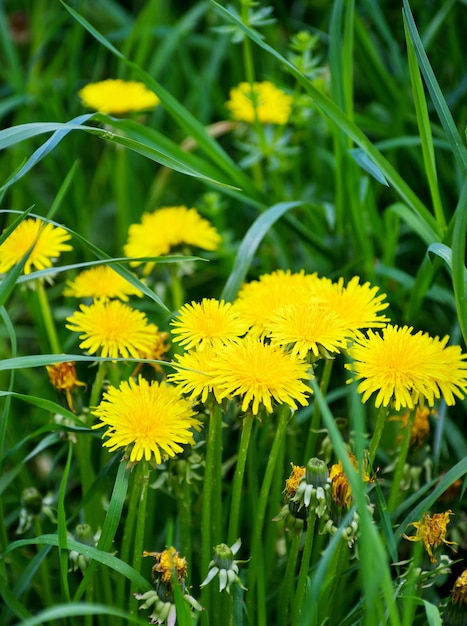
x=233, y=304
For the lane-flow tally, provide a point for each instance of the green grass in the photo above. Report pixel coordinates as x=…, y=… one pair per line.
x=367, y=179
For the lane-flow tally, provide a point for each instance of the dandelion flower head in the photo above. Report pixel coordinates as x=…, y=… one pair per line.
x=167, y=562
x=45, y=240
x=293, y=481
x=209, y=322
x=101, y=283
x=358, y=306
x=262, y=101
x=113, y=329
x=150, y=420
x=63, y=377
x=308, y=327
x=195, y=371
x=405, y=368
x=168, y=227
x=261, y=373
x=432, y=531
x=118, y=96
x=259, y=300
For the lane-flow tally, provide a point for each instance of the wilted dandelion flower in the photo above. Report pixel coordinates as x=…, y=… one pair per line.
x=259, y=300
x=161, y=599
x=455, y=613
x=432, y=531
x=101, y=283
x=150, y=420
x=207, y=323
x=292, y=482
x=45, y=240
x=420, y=426
x=261, y=373
x=308, y=328
x=262, y=101
x=407, y=369
x=118, y=96
x=64, y=378
x=113, y=329
x=166, y=228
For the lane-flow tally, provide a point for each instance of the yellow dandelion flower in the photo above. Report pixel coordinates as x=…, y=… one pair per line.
x=101, y=283
x=432, y=531
x=260, y=373
x=262, y=101
x=259, y=300
x=207, y=323
x=292, y=482
x=113, y=329
x=161, y=231
x=150, y=420
x=45, y=240
x=406, y=368
x=308, y=327
x=194, y=373
x=118, y=96
x=358, y=306
x=64, y=378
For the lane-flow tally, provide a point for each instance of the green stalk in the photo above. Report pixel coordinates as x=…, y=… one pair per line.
x=98, y=384
x=128, y=534
x=47, y=317
x=211, y=513
x=288, y=584
x=310, y=450
x=143, y=472
x=400, y=464
x=237, y=487
x=304, y=568
x=185, y=523
x=378, y=431
x=256, y=543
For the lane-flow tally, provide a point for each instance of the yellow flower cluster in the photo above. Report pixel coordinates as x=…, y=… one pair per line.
x=258, y=347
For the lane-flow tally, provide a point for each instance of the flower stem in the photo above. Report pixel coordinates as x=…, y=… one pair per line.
x=142, y=482
x=128, y=534
x=212, y=511
x=97, y=384
x=47, y=318
x=288, y=584
x=304, y=568
x=316, y=417
x=256, y=543
x=399, y=469
x=378, y=431
x=238, y=479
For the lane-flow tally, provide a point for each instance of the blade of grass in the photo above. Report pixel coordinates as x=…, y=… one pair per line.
x=458, y=149
x=424, y=129
x=249, y=245
x=459, y=236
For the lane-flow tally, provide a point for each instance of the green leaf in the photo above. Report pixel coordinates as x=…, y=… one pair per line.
x=439, y=102
x=62, y=612
x=249, y=245
x=104, y=558
x=459, y=236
